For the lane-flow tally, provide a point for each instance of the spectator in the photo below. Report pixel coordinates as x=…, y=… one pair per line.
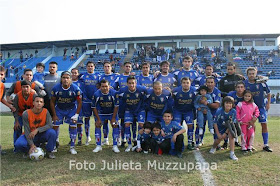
x=107, y=51
x=21, y=58
x=31, y=56
x=9, y=54
x=278, y=98
x=64, y=51
x=26, y=56
x=273, y=99
x=36, y=53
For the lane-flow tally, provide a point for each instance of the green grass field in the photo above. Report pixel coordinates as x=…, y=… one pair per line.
x=259, y=168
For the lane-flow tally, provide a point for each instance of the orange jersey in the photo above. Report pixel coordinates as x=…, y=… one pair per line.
x=18, y=87
x=2, y=88
x=37, y=120
x=24, y=104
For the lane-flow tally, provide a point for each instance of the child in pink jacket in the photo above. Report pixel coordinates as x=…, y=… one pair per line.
x=247, y=113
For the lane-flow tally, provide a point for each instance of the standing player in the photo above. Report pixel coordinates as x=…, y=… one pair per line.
x=23, y=100
x=186, y=71
x=66, y=104
x=201, y=80
x=90, y=80
x=158, y=101
x=105, y=106
x=133, y=99
x=167, y=79
x=259, y=90
x=184, y=96
x=145, y=78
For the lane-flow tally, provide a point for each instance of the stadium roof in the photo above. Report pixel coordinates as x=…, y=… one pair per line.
x=82, y=42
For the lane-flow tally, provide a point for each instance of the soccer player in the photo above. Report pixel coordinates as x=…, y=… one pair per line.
x=66, y=104
x=105, y=106
x=90, y=80
x=186, y=71
x=38, y=125
x=201, y=80
x=76, y=81
x=158, y=101
x=145, y=78
x=259, y=90
x=111, y=78
x=167, y=79
x=133, y=99
x=184, y=96
x=22, y=101
x=173, y=134
x=237, y=95
x=16, y=87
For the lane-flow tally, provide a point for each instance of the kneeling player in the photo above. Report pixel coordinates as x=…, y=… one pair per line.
x=37, y=124
x=105, y=107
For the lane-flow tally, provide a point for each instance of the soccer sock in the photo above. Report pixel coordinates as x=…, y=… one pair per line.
x=98, y=136
x=134, y=129
x=69, y=130
x=265, y=138
x=197, y=135
x=87, y=127
x=80, y=133
x=73, y=135
x=106, y=129
x=122, y=129
x=115, y=135
x=128, y=135
x=190, y=135
x=57, y=134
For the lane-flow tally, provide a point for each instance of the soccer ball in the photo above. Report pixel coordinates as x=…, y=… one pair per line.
x=37, y=154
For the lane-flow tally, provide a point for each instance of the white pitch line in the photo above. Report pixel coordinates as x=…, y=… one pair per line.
x=204, y=171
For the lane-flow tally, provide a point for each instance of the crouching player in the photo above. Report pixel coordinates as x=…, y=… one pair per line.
x=173, y=134
x=66, y=104
x=223, y=114
x=105, y=107
x=37, y=124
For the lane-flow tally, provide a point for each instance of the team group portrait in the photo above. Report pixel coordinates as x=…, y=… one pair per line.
x=177, y=109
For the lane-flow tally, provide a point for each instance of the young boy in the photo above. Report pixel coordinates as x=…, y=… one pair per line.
x=173, y=134
x=157, y=138
x=38, y=77
x=144, y=139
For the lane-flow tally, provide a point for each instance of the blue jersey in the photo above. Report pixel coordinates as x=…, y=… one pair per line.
x=170, y=129
x=109, y=77
x=184, y=101
x=133, y=101
x=221, y=116
x=201, y=80
x=105, y=103
x=143, y=137
x=166, y=80
x=90, y=82
x=157, y=105
x=159, y=139
x=192, y=74
x=216, y=97
x=259, y=91
x=235, y=97
x=146, y=81
x=66, y=98
x=121, y=81
x=39, y=76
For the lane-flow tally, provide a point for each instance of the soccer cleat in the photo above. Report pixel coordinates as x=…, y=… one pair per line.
x=54, y=150
x=190, y=147
x=134, y=148
x=179, y=154
x=134, y=142
x=233, y=157
x=225, y=145
x=88, y=140
x=116, y=149
x=237, y=144
x=123, y=143
x=212, y=131
x=72, y=150
x=267, y=149
x=146, y=152
x=97, y=148
x=50, y=155
x=212, y=150
x=79, y=143
x=105, y=142
x=57, y=144
x=129, y=148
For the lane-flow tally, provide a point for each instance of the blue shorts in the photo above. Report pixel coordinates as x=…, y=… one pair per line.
x=65, y=116
x=180, y=116
x=263, y=115
x=129, y=117
x=151, y=117
x=107, y=117
x=222, y=129
x=87, y=110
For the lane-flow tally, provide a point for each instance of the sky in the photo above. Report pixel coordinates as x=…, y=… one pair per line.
x=51, y=20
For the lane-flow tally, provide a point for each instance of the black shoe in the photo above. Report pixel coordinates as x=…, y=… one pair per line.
x=219, y=148
x=57, y=144
x=267, y=149
x=123, y=144
x=134, y=143
x=225, y=145
x=79, y=143
x=50, y=155
x=237, y=144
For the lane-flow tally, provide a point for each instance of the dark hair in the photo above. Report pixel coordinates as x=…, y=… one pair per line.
x=210, y=77
x=104, y=81
x=231, y=64
x=40, y=65
x=156, y=125
x=27, y=70
x=250, y=68
x=65, y=72
x=2, y=69
x=24, y=82
x=53, y=62
x=37, y=96
x=249, y=92
x=164, y=62
x=202, y=87
x=168, y=112
x=147, y=125
x=131, y=78
x=227, y=99
x=107, y=62
x=208, y=65
x=75, y=69
x=185, y=78
x=188, y=58
x=127, y=62
x=89, y=62
x=239, y=83
x=146, y=63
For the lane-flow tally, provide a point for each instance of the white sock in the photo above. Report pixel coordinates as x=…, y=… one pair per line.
x=231, y=153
